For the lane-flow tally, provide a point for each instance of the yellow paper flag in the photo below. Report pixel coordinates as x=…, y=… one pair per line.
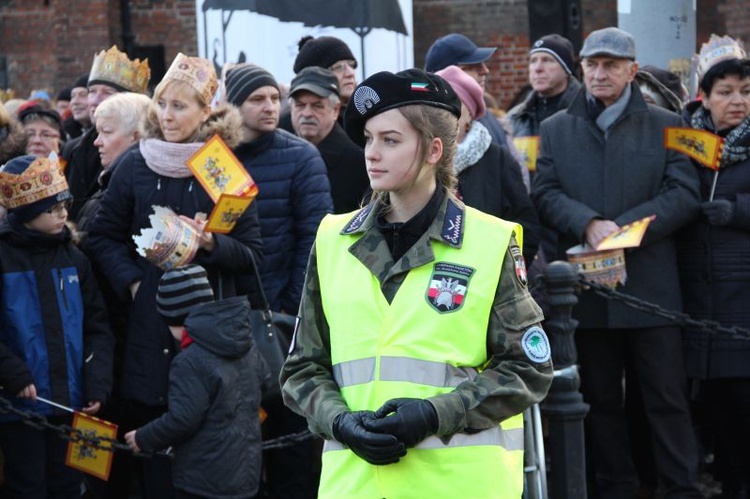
x=529, y=149
x=96, y=462
x=629, y=236
x=702, y=146
x=227, y=211
x=219, y=171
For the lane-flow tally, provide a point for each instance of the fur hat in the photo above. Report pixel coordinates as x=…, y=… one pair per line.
x=29, y=186
x=467, y=89
x=244, y=79
x=180, y=290
x=384, y=91
x=323, y=51
x=558, y=47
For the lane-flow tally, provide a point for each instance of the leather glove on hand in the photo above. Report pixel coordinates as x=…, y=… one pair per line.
x=410, y=420
x=375, y=448
x=719, y=212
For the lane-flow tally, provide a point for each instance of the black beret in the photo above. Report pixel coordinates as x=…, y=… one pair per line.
x=385, y=91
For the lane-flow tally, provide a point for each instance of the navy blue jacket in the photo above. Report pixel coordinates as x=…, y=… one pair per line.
x=53, y=325
x=293, y=197
x=124, y=212
x=215, y=389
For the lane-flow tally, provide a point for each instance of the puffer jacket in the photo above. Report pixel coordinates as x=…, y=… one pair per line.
x=215, y=389
x=133, y=189
x=293, y=197
x=53, y=325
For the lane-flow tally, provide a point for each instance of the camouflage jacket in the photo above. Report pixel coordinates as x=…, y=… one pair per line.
x=509, y=384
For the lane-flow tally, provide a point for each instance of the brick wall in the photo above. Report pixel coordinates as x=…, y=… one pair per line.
x=49, y=43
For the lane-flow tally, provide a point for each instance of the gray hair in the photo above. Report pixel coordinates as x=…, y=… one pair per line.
x=126, y=108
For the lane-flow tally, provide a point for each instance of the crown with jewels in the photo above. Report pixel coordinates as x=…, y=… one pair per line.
x=195, y=71
x=42, y=179
x=169, y=242
x=113, y=67
x=716, y=50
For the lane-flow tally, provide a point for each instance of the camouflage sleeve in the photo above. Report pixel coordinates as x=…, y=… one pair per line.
x=306, y=378
x=519, y=371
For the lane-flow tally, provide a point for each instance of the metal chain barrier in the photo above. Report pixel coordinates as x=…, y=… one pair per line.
x=67, y=432
x=680, y=318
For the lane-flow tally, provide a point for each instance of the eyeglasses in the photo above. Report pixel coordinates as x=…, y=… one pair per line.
x=30, y=134
x=341, y=66
x=58, y=209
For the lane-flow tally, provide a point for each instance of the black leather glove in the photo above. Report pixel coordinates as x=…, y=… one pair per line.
x=719, y=212
x=410, y=420
x=375, y=448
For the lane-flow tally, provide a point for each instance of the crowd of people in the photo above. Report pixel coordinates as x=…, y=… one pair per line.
x=401, y=220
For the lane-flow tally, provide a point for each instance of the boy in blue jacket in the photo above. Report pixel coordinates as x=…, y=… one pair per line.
x=215, y=386
x=55, y=340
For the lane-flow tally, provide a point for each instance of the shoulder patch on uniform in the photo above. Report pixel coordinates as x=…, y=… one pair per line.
x=453, y=222
x=520, y=263
x=535, y=345
x=448, y=286
x=356, y=222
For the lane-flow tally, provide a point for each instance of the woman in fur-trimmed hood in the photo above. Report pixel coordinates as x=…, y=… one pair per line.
x=154, y=173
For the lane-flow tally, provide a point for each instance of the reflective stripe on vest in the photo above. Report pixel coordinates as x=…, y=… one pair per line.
x=411, y=348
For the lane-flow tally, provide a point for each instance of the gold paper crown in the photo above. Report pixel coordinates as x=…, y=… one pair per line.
x=113, y=67
x=42, y=179
x=195, y=71
x=716, y=50
x=169, y=242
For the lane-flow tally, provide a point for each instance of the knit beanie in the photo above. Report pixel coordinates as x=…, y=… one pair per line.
x=558, y=47
x=323, y=51
x=180, y=290
x=244, y=79
x=42, y=187
x=82, y=81
x=467, y=89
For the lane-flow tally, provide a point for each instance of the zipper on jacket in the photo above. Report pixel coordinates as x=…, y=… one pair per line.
x=62, y=288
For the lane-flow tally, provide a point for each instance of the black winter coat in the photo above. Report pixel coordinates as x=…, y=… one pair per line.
x=215, y=389
x=625, y=177
x=347, y=173
x=494, y=185
x=715, y=277
x=132, y=191
x=82, y=170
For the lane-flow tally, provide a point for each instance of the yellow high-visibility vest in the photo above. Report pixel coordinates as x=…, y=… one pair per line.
x=428, y=340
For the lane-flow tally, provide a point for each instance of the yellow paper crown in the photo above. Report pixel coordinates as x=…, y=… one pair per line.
x=195, y=71
x=42, y=179
x=716, y=50
x=114, y=68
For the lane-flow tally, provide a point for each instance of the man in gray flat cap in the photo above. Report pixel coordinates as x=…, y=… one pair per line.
x=602, y=165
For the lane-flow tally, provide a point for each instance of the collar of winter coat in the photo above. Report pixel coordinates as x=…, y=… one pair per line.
x=447, y=226
x=530, y=102
x=636, y=104
x=257, y=146
x=222, y=327
x=18, y=234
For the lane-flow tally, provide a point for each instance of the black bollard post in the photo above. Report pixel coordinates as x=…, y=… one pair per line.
x=564, y=406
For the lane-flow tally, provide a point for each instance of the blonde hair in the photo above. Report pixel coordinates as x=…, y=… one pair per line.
x=152, y=120
x=126, y=108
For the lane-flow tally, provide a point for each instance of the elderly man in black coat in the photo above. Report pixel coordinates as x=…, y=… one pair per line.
x=316, y=104
x=602, y=165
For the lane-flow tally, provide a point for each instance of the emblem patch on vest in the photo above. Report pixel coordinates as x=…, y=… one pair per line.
x=536, y=345
x=448, y=286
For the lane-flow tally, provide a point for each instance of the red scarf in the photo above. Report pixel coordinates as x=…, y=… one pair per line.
x=186, y=340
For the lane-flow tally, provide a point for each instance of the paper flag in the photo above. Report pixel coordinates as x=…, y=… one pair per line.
x=628, y=236
x=528, y=147
x=96, y=462
x=702, y=146
x=219, y=171
x=227, y=211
